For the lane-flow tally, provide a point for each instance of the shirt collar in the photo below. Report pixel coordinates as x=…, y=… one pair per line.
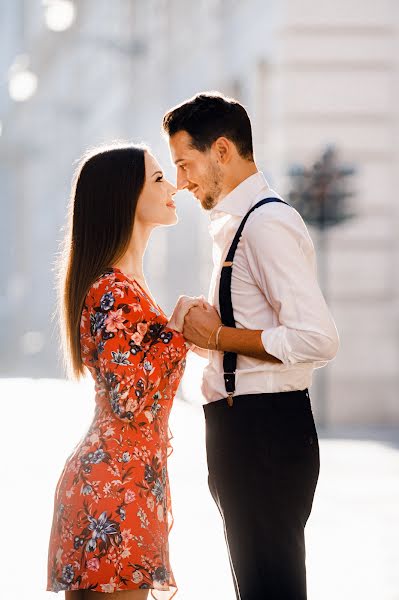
x=239, y=201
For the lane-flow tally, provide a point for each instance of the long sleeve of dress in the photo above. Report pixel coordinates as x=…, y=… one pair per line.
x=131, y=354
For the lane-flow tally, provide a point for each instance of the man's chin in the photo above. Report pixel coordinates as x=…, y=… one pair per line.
x=207, y=203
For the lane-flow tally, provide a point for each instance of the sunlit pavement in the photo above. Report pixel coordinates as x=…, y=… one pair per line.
x=352, y=535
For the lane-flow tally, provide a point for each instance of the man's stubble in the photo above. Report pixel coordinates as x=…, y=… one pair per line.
x=215, y=187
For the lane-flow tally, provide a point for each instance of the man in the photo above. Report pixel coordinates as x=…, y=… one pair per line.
x=274, y=329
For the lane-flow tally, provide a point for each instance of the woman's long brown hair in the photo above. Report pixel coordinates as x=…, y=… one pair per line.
x=105, y=191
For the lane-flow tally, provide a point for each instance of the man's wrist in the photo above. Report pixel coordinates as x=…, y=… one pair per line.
x=217, y=338
x=214, y=339
x=210, y=343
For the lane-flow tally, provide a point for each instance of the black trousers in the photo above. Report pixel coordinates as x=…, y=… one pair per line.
x=263, y=462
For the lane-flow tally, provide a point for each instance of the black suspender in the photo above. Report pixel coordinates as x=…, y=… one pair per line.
x=226, y=306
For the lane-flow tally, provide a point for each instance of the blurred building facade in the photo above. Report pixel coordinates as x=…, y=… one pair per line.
x=310, y=73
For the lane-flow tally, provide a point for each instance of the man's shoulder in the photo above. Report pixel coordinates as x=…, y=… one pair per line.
x=274, y=216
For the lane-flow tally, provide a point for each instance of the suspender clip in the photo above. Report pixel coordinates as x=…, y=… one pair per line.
x=230, y=399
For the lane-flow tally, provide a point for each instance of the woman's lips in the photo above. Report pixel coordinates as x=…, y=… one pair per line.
x=171, y=205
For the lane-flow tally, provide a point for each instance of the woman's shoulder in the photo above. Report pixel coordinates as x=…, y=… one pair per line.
x=110, y=288
x=112, y=301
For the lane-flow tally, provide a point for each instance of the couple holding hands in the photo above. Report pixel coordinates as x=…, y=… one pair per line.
x=265, y=329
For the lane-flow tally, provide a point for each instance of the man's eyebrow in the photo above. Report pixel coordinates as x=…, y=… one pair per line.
x=179, y=160
x=156, y=173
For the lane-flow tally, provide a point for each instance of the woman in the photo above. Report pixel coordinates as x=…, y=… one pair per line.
x=112, y=505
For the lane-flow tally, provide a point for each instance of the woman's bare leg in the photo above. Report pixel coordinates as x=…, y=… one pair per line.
x=123, y=595
x=75, y=595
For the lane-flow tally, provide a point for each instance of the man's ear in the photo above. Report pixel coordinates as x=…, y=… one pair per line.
x=222, y=148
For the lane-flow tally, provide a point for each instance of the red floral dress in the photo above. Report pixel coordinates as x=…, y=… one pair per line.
x=112, y=511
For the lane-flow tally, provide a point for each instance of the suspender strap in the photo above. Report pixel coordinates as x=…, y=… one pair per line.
x=226, y=305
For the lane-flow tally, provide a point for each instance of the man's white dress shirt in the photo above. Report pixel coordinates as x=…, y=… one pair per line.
x=274, y=289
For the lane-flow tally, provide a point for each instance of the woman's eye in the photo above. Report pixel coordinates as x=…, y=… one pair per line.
x=160, y=178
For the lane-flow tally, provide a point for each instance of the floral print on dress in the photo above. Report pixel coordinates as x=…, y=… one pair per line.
x=112, y=511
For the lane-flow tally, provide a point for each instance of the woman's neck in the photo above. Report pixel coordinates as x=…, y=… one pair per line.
x=131, y=262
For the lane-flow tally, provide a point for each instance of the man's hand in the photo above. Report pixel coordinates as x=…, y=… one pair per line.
x=183, y=305
x=200, y=323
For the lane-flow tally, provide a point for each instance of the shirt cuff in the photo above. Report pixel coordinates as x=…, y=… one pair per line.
x=275, y=342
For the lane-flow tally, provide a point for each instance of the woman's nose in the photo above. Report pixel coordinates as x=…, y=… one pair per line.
x=172, y=189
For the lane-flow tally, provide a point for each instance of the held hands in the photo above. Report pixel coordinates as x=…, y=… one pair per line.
x=183, y=305
x=198, y=321
x=201, y=324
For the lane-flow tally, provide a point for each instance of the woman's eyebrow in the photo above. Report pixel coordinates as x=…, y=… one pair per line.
x=157, y=172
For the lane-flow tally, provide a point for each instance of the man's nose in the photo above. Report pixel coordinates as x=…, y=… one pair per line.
x=181, y=181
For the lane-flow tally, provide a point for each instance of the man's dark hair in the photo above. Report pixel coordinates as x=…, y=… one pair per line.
x=208, y=116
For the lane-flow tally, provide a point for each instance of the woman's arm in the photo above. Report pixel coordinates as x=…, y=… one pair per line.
x=129, y=349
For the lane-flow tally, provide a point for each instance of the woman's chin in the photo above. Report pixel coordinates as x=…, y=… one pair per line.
x=173, y=219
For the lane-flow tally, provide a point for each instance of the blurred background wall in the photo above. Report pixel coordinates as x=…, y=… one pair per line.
x=311, y=73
